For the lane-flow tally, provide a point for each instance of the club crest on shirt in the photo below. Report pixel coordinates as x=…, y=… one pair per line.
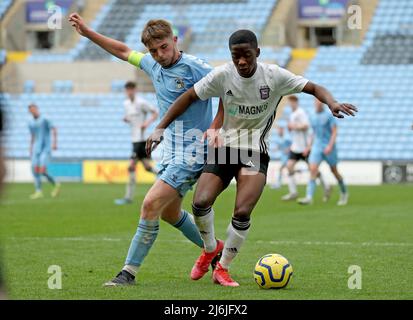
x=179, y=83
x=264, y=92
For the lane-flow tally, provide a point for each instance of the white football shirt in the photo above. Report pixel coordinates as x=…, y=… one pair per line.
x=250, y=104
x=136, y=112
x=299, y=137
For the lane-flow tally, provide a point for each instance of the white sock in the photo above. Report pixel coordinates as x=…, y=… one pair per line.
x=236, y=234
x=323, y=183
x=131, y=269
x=204, y=219
x=291, y=184
x=130, y=187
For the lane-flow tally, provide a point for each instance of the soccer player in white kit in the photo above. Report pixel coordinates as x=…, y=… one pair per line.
x=250, y=92
x=299, y=125
x=139, y=114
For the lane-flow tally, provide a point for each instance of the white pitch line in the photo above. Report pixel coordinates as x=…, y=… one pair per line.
x=339, y=243
x=280, y=242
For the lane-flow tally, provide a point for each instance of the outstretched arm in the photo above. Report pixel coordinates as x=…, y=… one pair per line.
x=326, y=97
x=114, y=47
x=176, y=109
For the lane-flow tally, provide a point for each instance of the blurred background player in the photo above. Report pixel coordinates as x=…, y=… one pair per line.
x=40, y=151
x=139, y=114
x=283, y=142
x=322, y=144
x=298, y=126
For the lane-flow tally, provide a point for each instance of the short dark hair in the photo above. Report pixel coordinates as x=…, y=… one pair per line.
x=130, y=85
x=292, y=98
x=32, y=105
x=243, y=36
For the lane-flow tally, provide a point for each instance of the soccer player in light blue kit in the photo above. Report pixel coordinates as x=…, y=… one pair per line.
x=323, y=147
x=172, y=73
x=40, y=151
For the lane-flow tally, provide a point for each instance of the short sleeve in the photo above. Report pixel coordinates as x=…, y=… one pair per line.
x=286, y=82
x=210, y=85
x=142, y=60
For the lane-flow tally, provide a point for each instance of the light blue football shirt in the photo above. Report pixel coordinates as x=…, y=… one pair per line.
x=283, y=143
x=40, y=128
x=170, y=83
x=322, y=124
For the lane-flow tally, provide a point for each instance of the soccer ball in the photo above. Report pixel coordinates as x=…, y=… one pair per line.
x=273, y=271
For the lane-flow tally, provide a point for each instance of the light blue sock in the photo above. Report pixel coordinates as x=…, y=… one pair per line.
x=37, y=181
x=311, y=188
x=142, y=241
x=189, y=229
x=343, y=187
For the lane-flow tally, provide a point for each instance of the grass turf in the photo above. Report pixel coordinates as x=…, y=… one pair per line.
x=84, y=233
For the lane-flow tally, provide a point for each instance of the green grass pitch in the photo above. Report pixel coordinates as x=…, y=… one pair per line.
x=84, y=233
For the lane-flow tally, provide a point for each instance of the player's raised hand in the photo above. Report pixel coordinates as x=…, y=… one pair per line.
x=153, y=140
x=338, y=108
x=77, y=21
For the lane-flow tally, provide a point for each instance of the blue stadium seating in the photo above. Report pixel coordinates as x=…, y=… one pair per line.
x=61, y=86
x=90, y=126
x=381, y=90
x=28, y=86
x=211, y=25
x=118, y=85
x=4, y=6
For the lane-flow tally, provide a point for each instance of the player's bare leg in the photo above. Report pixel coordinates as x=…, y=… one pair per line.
x=343, y=188
x=208, y=188
x=249, y=190
x=292, y=187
